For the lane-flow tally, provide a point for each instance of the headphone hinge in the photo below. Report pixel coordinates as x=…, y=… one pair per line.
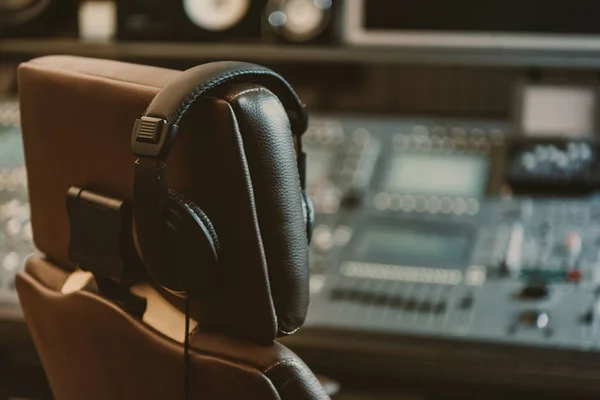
x=152, y=137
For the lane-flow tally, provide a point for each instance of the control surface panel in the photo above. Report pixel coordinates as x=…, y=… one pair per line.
x=427, y=258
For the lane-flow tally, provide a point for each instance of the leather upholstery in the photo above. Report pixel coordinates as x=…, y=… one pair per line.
x=174, y=100
x=278, y=198
x=92, y=349
x=77, y=115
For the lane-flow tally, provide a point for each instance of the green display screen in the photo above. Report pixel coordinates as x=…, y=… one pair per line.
x=415, y=245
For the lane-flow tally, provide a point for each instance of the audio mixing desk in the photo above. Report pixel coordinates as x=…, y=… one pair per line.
x=422, y=262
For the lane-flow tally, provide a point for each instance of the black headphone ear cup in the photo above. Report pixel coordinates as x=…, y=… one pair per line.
x=192, y=246
x=309, y=215
x=199, y=213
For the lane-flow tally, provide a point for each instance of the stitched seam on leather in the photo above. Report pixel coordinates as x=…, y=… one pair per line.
x=291, y=332
x=280, y=363
x=243, y=92
x=230, y=100
x=200, y=90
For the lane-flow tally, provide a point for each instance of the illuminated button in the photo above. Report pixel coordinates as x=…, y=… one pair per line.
x=342, y=235
x=458, y=132
x=447, y=144
x=528, y=161
x=460, y=206
x=497, y=136
x=574, y=275
x=573, y=248
x=354, y=151
x=475, y=276
x=347, y=173
x=309, y=137
x=413, y=142
x=13, y=226
x=330, y=204
x=460, y=144
x=316, y=283
x=351, y=161
x=585, y=151
x=421, y=204
x=477, y=133
x=425, y=144
x=436, y=142
x=446, y=205
x=382, y=201
x=27, y=231
x=541, y=153
x=434, y=205
x=573, y=243
x=11, y=261
x=337, y=137
x=328, y=135
x=408, y=203
x=484, y=146
x=573, y=151
x=396, y=204
x=420, y=130
x=439, y=130
x=361, y=136
x=320, y=135
x=322, y=238
x=400, y=141
x=472, y=206
x=561, y=160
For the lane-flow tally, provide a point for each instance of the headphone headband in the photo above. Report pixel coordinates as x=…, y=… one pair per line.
x=155, y=132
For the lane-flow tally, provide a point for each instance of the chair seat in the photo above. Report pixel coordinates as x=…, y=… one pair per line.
x=89, y=346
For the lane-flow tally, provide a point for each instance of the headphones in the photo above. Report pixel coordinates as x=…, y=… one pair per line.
x=174, y=237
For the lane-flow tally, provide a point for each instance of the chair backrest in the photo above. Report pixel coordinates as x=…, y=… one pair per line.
x=91, y=349
x=77, y=116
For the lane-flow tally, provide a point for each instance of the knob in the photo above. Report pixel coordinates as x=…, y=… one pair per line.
x=532, y=319
x=573, y=247
x=588, y=317
x=534, y=290
x=299, y=20
x=352, y=198
x=466, y=302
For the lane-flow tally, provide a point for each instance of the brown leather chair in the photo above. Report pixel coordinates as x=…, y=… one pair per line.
x=77, y=115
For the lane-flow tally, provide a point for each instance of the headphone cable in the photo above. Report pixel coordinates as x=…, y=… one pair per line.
x=186, y=350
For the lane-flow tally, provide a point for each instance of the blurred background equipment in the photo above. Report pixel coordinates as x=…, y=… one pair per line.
x=38, y=18
x=453, y=164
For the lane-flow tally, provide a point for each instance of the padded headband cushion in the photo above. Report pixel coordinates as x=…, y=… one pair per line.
x=173, y=100
x=266, y=131
x=271, y=159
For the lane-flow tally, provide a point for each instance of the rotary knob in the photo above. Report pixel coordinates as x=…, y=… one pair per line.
x=299, y=20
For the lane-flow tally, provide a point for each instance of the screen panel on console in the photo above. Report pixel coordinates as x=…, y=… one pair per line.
x=529, y=16
x=450, y=175
x=419, y=244
x=526, y=24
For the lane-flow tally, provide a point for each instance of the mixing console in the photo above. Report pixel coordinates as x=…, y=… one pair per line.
x=426, y=264
x=15, y=229
x=422, y=262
